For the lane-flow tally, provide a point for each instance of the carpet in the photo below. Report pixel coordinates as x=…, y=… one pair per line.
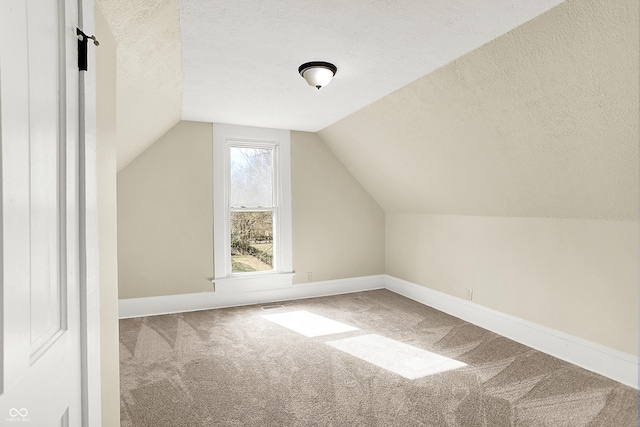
x=364, y=359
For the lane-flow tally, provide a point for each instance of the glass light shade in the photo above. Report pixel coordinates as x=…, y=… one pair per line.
x=318, y=77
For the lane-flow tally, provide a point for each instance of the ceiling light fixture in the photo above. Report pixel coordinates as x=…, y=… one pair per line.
x=317, y=73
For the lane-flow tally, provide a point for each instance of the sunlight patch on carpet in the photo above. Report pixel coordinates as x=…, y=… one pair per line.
x=308, y=324
x=402, y=359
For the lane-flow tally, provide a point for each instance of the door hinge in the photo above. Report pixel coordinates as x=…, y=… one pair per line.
x=82, y=48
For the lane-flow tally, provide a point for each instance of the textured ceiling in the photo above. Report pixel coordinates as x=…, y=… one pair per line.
x=149, y=71
x=434, y=108
x=240, y=58
x=542, y=122
x=236, y=61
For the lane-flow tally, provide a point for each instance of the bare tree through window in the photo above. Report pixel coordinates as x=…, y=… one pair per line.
x=251, y=200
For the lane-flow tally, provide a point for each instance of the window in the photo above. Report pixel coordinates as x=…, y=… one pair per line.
x=252, y=209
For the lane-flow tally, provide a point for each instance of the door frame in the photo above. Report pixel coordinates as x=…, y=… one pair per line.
x=89, y=264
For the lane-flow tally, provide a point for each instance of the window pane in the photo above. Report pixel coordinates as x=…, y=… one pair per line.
x=251, y=241
x=251, y=178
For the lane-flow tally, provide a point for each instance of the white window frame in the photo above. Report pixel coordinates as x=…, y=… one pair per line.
x=225, y=281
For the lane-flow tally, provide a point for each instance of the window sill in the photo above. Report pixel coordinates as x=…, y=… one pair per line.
x=241, y=283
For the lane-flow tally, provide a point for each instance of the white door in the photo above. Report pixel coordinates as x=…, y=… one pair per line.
x=40, y=375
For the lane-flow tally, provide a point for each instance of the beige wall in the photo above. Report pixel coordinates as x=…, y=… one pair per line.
x=338, y=229
x=576, y=276
x=514, y=171
x=107, y=220
x=165, y=215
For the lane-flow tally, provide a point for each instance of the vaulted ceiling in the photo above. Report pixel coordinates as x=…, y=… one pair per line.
x=236, y=61
x=149, y=71
x=498, y=108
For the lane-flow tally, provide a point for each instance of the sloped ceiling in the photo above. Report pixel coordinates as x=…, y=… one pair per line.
x=542, y=122
x=149, y=71
x=236, y=61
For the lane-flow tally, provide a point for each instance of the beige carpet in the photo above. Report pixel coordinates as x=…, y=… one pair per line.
x=388, y=362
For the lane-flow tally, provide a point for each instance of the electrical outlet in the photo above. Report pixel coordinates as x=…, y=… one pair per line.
x=470, y=294
x=309, y=277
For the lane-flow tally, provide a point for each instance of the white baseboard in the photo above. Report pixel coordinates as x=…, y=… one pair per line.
x=151, y=306
x=611, y=363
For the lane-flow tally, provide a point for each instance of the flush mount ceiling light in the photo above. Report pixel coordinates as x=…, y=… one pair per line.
x=317, y=73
